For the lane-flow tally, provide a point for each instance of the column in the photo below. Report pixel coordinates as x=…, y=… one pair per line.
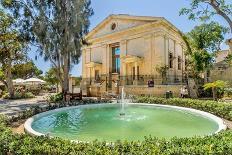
x=109, y=66
x=149, y=54
x=136, y=73
x=123, y=52
x=124, y=73
x=90, y=75
x=175, y=62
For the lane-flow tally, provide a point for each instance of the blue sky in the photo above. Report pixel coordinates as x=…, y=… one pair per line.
x=161, y=8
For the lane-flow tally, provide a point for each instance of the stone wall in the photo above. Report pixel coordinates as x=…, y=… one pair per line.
x=157, y=90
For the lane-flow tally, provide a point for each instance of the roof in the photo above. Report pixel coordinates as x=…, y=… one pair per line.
x=131, y=17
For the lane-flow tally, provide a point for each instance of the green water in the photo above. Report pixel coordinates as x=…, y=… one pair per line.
x=105, y=123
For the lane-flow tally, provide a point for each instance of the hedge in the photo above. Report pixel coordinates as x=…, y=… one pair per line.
x=218, y=144
x=221, y=109
x=24, y=144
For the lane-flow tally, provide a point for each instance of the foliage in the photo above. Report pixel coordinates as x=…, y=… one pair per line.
x=205, y=9
x=204, y=41
x=228, y=92
x=25, y=70
x=51, y=77
x=58, y=27
x=220, y=109
x=217, y=88
x=55, y=98
x=77, y=81
x=11, y=49
x=19, y=95
x=216, y=84
x=208, y=36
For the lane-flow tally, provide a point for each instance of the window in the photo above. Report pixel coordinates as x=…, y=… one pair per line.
x=179, y=63
x=170, y=60
x=113, y=26
x=97, y=75
x=116, y=60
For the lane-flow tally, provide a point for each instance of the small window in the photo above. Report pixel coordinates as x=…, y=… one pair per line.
x=170, y=60
x=179, y=63
x=113, y=26
x=97, y=75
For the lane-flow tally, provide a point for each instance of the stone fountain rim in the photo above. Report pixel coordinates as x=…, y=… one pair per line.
x=28, y=124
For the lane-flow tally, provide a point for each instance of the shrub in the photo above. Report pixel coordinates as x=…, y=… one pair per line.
x=6, y=96
x=221, y=109
x=19, y=95
x=55, y=98
x=228, y=92
x=29, y=95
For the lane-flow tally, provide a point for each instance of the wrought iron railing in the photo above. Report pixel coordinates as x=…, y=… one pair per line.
x=135, y=80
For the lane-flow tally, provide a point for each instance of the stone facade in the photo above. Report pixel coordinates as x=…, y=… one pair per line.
x=221, y=70
x=143, y=43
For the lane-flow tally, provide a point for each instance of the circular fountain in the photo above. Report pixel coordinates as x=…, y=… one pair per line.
x=105, y=122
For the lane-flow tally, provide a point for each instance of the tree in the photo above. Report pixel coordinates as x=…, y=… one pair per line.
x=205, y=9
x=215, y=87
x=58, y=26
x=203, y=41
x=162, y=70
x=51, y=77
x=26, y=70
x=11, y=49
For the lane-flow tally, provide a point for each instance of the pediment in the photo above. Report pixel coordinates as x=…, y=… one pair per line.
x=116, y=23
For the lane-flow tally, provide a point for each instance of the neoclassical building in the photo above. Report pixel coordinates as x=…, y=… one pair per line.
x=129, y=51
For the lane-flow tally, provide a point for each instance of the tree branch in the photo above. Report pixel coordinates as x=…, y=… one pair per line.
x=221, y=13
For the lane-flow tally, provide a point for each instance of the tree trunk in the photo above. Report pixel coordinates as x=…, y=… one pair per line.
x=66, y=74
x=224, y=15
x=214, y=93
x=9, y=81
x=57, y=87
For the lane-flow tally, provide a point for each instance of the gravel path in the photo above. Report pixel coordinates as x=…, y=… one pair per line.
x=12, y=107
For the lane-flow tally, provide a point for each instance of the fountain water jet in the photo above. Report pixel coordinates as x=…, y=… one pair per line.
x=122, y=113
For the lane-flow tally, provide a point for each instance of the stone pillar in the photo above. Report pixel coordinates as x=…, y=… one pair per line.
x=83, y=64
x=149, y=41
x=136, y=73
x=175, y=65
x=123, y=52
x=109, y=67
x=90, y=75
x=124, y=73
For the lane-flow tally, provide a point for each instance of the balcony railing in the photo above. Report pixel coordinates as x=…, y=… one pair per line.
x=135, y=80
